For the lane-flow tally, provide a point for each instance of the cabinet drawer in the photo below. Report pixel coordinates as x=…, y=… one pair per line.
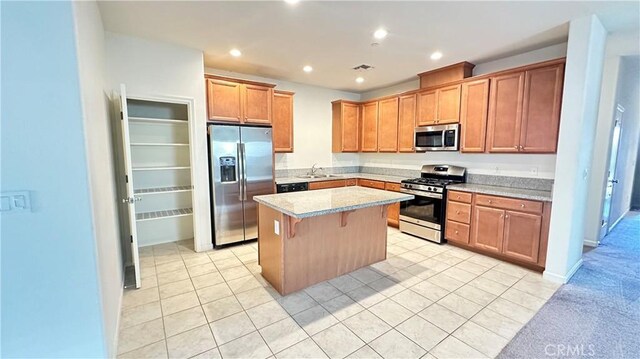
x=459, y=212
x=351, y=182
x=392, y=186
x=327, y=184
x=459, y=196
x=457, y=232
x=370, y=183
x=515, y=204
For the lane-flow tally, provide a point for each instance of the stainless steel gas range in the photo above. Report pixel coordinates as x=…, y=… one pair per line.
x=424, y=216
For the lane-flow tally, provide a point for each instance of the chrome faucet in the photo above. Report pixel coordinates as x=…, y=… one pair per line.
x=315, y=169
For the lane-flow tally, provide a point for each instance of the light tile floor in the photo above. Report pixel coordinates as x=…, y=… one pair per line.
x=425, y=300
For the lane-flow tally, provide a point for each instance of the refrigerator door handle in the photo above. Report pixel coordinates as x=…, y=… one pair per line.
x=244, y=171
x=240, y=170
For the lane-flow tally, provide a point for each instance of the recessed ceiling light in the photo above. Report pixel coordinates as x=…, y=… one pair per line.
x=380, y=34
x=235, y=52
x=436, y=55
x=359, y=80
x=307, y=68
x=292, y=2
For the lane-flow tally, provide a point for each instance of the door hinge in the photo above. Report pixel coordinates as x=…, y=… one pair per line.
x=126, y=178
x=121, y=116
x=131, y=239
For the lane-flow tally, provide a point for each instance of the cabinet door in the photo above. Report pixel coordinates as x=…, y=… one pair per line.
x=369, y=127
x=505, y=112
x=224, y=101
x=487, y=228
x=388, y=125
x=448, y=109
x=473, y=115
x=522, y=236
x=427, y=108
x=407, y=123
x=257, y=104
x=350, y=127
x=282, y=121
x=541, y=109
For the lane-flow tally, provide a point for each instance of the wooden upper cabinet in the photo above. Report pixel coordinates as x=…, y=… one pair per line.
x=448, y=110
x=369, y=141
x=242, y=101
x=487, y=228
x=345, y=126
x=388, y=125
x=406, y=123
x=224, y=100
x=427, y=108
x=257, y=104
x=473, y=115
x=522, y=236
x=282, y=121
x=505, y=112
x=541, y=109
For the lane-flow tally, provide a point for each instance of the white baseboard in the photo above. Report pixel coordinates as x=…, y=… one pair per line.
x=114, y=347
x=590, y=243
x=559, y=278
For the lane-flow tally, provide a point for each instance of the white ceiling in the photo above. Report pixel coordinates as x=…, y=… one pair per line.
x=277, y=39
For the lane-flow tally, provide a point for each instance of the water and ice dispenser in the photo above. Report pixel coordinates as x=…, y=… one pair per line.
x=227, y=169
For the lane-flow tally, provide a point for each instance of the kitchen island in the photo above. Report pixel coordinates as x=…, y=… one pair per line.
x=308, y=237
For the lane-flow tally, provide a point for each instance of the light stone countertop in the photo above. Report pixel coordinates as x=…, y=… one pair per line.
x=545, y=196
x=341, y=176
x=306, y=204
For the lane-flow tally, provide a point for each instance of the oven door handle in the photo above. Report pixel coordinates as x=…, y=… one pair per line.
x=421, y=194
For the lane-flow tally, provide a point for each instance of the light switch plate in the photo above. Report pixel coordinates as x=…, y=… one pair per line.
x=16, y=201
x=276, y=227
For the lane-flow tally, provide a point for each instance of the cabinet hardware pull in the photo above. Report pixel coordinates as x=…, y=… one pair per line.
x=489, y=201
x=456, y=232
x=457, y=212
x=507, y=216
x=522, y=205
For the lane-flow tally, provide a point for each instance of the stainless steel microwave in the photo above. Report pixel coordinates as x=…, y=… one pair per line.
x=437, y=138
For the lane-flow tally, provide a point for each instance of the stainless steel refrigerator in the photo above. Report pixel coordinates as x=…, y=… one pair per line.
x=240, y=167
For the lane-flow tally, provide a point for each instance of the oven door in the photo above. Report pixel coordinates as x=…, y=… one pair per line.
x=426, y=209
x=437, y=138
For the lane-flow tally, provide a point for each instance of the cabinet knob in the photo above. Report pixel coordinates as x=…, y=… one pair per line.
x=522, y=205
x=521, y=148
x=457, y=212
x=456, y=232
x=507, y=216
x=516, y=147
x=490, y=201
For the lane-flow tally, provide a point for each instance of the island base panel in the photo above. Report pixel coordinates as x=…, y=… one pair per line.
x=321, y=248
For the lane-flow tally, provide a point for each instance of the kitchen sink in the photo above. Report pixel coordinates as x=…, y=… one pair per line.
x=318, y=176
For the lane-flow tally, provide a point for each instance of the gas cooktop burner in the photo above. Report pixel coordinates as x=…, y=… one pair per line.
x=429, y=181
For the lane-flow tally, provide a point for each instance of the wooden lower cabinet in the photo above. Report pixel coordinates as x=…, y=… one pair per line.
x=522, y=236
x=393, y=212
x=488, y=228
x=371, y=183
x=507, y=228
x=327, y=184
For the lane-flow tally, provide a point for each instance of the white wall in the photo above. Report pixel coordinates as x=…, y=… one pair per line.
x=151, y=68
x=517, y=165
x=311, y=123
x=583, y=75
x=628, y=97
x=50, y=298
x=618, y=45
x=100, y=163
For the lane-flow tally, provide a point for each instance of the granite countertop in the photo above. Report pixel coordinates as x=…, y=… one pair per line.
x=536, y=195
x=306, y=204
x=369, y=176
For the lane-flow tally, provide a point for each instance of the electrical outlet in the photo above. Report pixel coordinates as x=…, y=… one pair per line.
x=276, y=227
x=18, y=201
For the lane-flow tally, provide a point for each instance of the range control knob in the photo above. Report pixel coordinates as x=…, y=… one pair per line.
x=429, y=189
